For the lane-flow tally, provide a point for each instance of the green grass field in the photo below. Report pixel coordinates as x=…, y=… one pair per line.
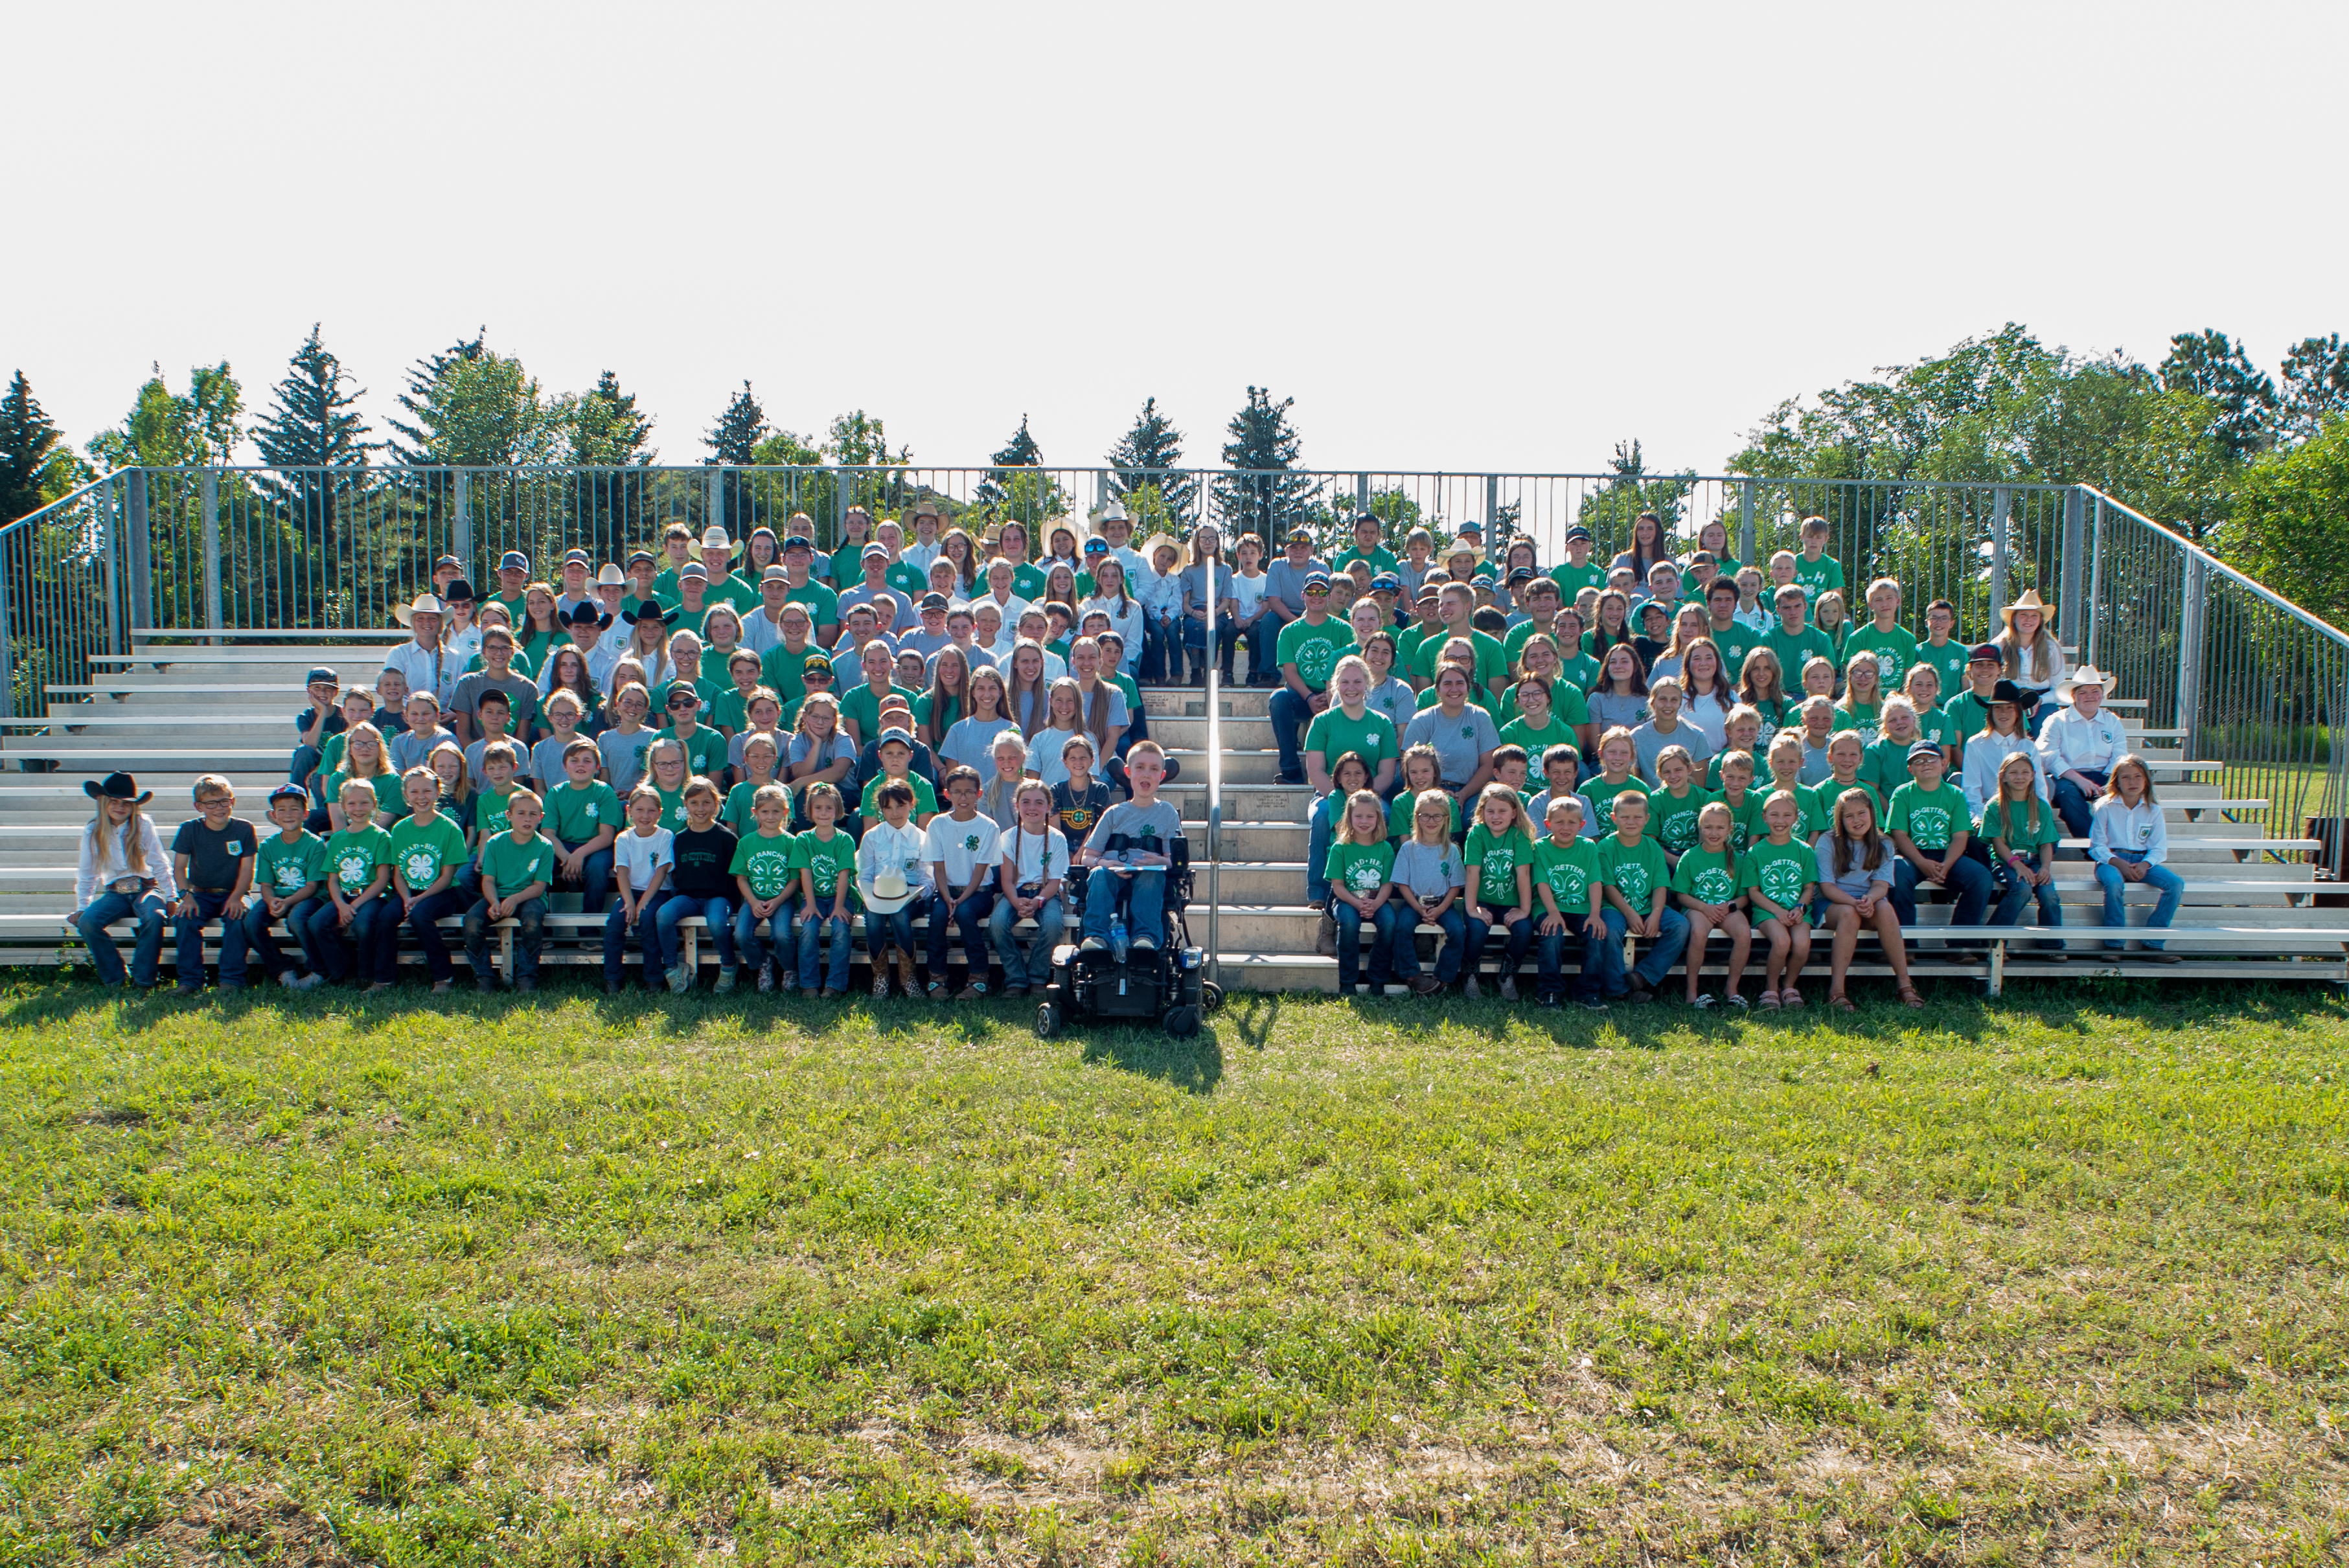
x=2056, y=1279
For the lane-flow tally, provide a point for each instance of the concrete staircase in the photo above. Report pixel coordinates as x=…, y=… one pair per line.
x=177, y=707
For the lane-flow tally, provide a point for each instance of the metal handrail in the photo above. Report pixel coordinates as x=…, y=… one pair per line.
x=1215, y=779
x=103, y=481
x=2213, y=564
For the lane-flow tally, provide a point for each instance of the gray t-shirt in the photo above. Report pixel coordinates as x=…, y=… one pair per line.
x=1194, y=588
x=1428, y=869
x=623, y=757
x=467, y=698
x=1651, y=743
x=860, y=594
x=546, y=759
x=1287, y=583
x=1151, y=828
x=1539, y=810
x=1609, y=709
x=971, y=742
x=1393, y=697
x=924, y=642
x=1460, y=743
x=1855, y=880
x=521, y=757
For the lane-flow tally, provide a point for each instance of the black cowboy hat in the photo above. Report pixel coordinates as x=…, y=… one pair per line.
x=652, y=613
x=2008, y=692
x=116, y=786
x=583, y=614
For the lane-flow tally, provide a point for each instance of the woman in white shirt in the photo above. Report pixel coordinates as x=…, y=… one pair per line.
x=1987, y=752
x=1124, y=610
x=124, y=874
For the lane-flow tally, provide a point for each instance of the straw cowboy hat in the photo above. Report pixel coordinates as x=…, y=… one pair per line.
x=714, y=538
x=889, y=893
x=2029, y=601
x=2086, y=675
x=1461, y=547
x=1149, y=550
x=422, y=604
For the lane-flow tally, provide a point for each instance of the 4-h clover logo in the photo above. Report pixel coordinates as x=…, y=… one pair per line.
x=421, y=865
x=354, y=868
x=971, y=843
x=1783, y=881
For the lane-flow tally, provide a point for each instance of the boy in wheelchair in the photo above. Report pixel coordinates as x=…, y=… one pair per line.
x=1129, y=852
x=1140, y=867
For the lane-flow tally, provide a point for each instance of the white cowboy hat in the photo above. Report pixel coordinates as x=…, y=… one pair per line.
x=1149, y=550
x=2029, y=601
x=1111, y=511
x=422, y=604
x=889, y=893
x=2086, y=675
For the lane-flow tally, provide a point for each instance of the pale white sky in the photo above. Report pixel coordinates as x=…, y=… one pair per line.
x=1465, y=236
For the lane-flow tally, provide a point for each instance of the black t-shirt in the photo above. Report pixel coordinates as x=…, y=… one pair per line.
x=213, y=858
x=703, y=860
x=1077, y=815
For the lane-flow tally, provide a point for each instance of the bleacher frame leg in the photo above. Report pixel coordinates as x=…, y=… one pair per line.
x=1997, y=967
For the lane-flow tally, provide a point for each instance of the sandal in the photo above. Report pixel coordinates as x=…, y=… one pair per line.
x=1840, y=1003
x=1767, y=1001
x=1908, y=997
x=1789, y=997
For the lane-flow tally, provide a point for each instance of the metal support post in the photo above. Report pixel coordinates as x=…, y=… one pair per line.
x=2190, y=656
x=1361, y=494
x=8, y=626
x=2095, y=587
x=461, y=533
x=1748, y=498
x=1100, y=490
x=2069, y=623
x=102, y=500
x=2001, y=499
x=142, y=553
x=212, y=551
x=840, y=507
x=1493, y=540
x=713, y=509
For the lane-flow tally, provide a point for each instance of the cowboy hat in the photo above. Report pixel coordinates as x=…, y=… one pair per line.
x=116, y=786
x=889, y=893
x=422, y=604
x=716, y=537
x=1149, y=550
x=1461, y=547
x=2029, y=601
x=1111, y=511
x=2086, y=675
x=651, y=612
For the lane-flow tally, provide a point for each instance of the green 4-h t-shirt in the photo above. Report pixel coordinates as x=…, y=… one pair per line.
x=826, y=861
x=490, y=811
x=1778, y=872
x=1495, y=857
x=1735, y=643
x=1672, y=818
x=1706, y=875
x=1893, y=650
x=1637, y=872
x=1948, y=661
x=1826, y=792
x=353, y=855
x=766, y=863
x=1602, y=796
x=1824, y=576
x=737, y=813
x=1797, y=650
x=1491, y=658
x=1370, y=737
x=1361, y=869
x=1314, y=650
x=1572, y=580
x=575, y=816
x=2012, y=823
x=1930, y=818
x=511, y=867
x=705, y=748
x=1573, y=872
x=421, y=853
x=284, y=869
x=1537, y=742
x=925, y=799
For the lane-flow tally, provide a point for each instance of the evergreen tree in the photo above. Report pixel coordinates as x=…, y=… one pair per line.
x=2315, y=385
x=28, y=442
x=2206, y=365
x=313, y=421
x=1268, y=498
x=486, y=411
x=1019, y=496
x=734, y=442
x=1150, y=455
x=605, y=429
x=413, y=445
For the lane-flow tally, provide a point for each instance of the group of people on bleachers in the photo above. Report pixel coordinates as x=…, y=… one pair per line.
x=926, y=722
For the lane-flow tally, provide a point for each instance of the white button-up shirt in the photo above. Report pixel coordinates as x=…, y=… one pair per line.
x=2138, y=829
x=436, y=670
x=2071, y=739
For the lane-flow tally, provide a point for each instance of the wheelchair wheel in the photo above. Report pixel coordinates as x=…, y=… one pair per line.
x=1048, y=1021
x=1211, y=996
x=1183, y=1022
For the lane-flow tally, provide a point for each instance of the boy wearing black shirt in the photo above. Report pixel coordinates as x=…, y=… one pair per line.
x=701, y=883
x=211, y=857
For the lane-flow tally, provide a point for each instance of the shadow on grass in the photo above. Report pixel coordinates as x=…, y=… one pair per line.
x=1194, y=1063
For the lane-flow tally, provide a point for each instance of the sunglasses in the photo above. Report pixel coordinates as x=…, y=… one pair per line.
x=684, y=702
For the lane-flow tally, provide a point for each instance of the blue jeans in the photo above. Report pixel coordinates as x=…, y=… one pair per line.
x=2073, y=806
x=1383, y=926
x=1651, y=970
x=187, y=943
x=2161, y=878
x=1195, y=638
x=717, y=914
x=2016, y=895
x=255, y=922
x=1260, y=634
x=340, y=946
x=1322, y=827
x=656, y=944
x=969, y=918
x=1550, y=953
x=881, y=931
x=145, y=908
x=1290, y=714
x=305, y=762
x=1034, y=970
x=529, y=924
x=813, y=931
x=594, y=878
x=1404, y=953
x=1161, y=650
x=1145, y=901
x=424, y=918
x=752, y=950
x=2045, y=708
x=1521, y=938
x=1969, y=879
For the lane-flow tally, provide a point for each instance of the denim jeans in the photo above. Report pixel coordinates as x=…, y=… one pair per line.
x=1480, y=926
x=1195, y=639
x=305, y=762
x=1404, y=953
x=530, y=923
x=424, y=918
x=1034, y=970
x=1662, y=955
x=1161, y=650
x=2016, y=895
x=146, y=909
x=747, y=943
x=594, y=882
x=1260, y=634
x=2159, y=877
x=1322, y=827
x=1550, y=955
x=969, y=918
x=1384, y=924
x=655, y=944
x=255, y=922
x=1290, y=714
x=1146, y=893
x=815, y=931
x=187, y=943
x=717, y=914
x=2072, y=805
x=882, y=930
x=1969, y=880
x=339, y=947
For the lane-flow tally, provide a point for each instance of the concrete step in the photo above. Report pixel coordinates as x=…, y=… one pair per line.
x=1236, y=702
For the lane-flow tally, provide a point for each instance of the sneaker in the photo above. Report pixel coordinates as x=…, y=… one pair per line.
x=1426, y=985
x=439, y=987
x=485, y=983
x=1702, y=1000
x=1640, y=998
x=1545, y=1000
x=725, y=980
x=1470, y=990
x=767, y=976
x=1509, y=987
x=680, y=978
x=190, y=993
x=289, y=979
x=1595, y=1005
x=834, y=993
x=374, y=988
x=528, y=982
x=1094, y=947
x=1146, y=943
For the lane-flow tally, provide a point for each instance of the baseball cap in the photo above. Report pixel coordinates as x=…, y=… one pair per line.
x=321, y=673
x=677, y=687
x=815, y=662
x=1096, y=545
x=1386, y=583
x=448, y=561
x=1299, y=535
x=933, y=602
x=647, y=556
x=693, y=569
x=1316, y=580
x=798, y=541
x=1923, y=749
x=513, y=561
x=1578, y=532
x=1985, y=653
x=1522, y=575
x=901, y=737
x=870, y=551
x=580, y=556
x=774, y=574
x=288, y=793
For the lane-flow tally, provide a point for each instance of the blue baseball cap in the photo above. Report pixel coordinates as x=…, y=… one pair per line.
x=1316, y=580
